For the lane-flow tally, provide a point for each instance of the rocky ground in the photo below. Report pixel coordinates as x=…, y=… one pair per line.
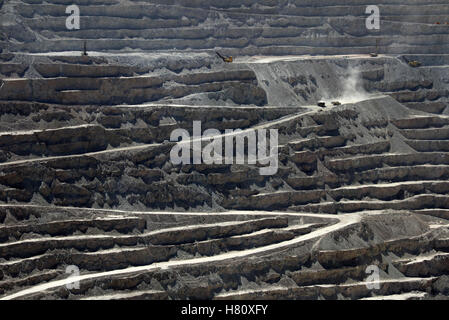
x=86, y=178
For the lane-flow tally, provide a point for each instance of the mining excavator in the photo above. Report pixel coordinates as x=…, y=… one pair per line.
x=225, y=59
x=412, y=63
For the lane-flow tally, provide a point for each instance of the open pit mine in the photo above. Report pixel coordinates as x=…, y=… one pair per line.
x=99, y=97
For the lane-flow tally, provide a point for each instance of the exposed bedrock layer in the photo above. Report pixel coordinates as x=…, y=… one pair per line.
x=87, y=181
x=200, y=79
x=244, y=28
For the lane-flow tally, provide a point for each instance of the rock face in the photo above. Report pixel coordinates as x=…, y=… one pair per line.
x=87, y=180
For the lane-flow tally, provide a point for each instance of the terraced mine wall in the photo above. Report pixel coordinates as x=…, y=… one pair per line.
x=240, y=27
x=92, y=186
